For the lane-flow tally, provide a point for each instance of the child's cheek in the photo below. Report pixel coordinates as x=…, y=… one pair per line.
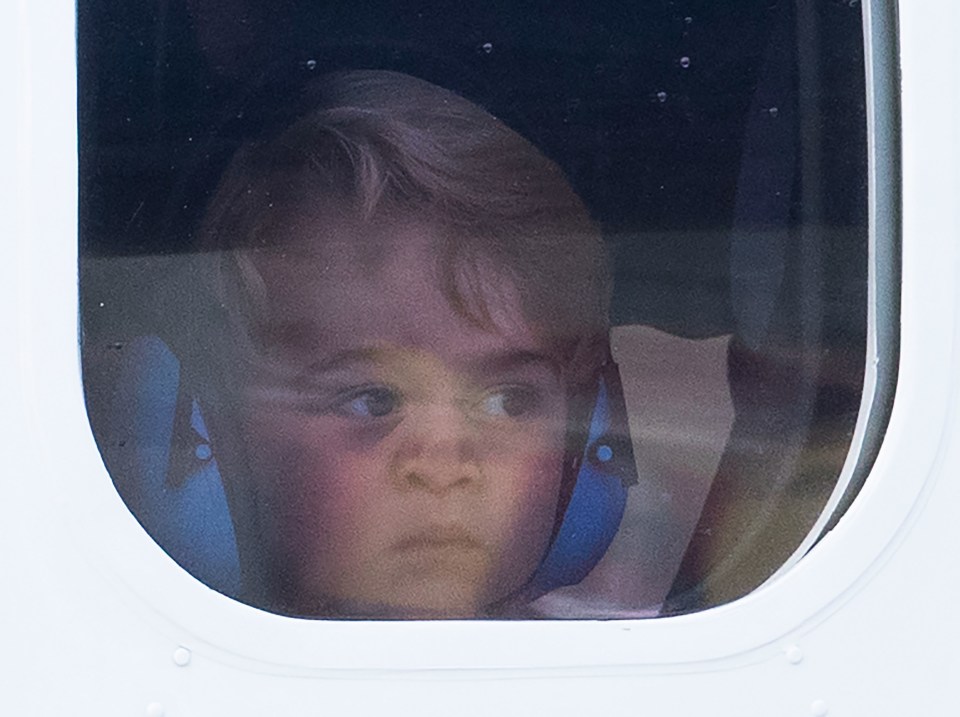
x=524, y=480
x=313, y=477
x=363, y=438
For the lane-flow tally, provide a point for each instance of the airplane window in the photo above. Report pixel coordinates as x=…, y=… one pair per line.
x=401, y=312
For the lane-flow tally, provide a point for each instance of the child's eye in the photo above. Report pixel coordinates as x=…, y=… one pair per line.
x=368, y=402
x=511, y=401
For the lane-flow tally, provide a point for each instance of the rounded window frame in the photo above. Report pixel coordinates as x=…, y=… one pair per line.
x=116, y=547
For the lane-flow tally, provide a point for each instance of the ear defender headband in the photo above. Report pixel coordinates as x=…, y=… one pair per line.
x=173, y=484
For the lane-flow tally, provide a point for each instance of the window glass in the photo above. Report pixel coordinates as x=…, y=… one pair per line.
x=554, y=311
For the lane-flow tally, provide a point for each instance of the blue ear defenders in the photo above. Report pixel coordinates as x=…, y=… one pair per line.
x=158, y=454
x=174, y=488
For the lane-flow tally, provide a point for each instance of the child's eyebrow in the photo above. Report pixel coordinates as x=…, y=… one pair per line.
x=494, y=363
x=501, y=362
x=349, y=357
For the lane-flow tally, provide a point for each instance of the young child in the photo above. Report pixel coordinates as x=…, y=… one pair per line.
x=398, y=369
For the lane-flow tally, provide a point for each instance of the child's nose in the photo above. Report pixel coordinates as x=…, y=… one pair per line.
x=436, y=451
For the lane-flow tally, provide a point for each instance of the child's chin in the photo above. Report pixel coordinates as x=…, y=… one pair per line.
x=426, y=601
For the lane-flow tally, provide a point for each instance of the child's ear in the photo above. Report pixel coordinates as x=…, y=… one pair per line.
x=599, y=469
x=188, y=436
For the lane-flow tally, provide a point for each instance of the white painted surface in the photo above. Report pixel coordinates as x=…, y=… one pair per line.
x=94, y=613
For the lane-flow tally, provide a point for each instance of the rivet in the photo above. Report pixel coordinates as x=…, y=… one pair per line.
x=604, y=453
x=794, y=655
x=819, y=708
x=154, y=709
x=181, y=657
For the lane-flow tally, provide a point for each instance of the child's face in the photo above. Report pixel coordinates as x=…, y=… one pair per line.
x=407, y=462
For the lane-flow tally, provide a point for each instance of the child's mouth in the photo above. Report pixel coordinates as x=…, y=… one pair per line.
x=439, y=537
